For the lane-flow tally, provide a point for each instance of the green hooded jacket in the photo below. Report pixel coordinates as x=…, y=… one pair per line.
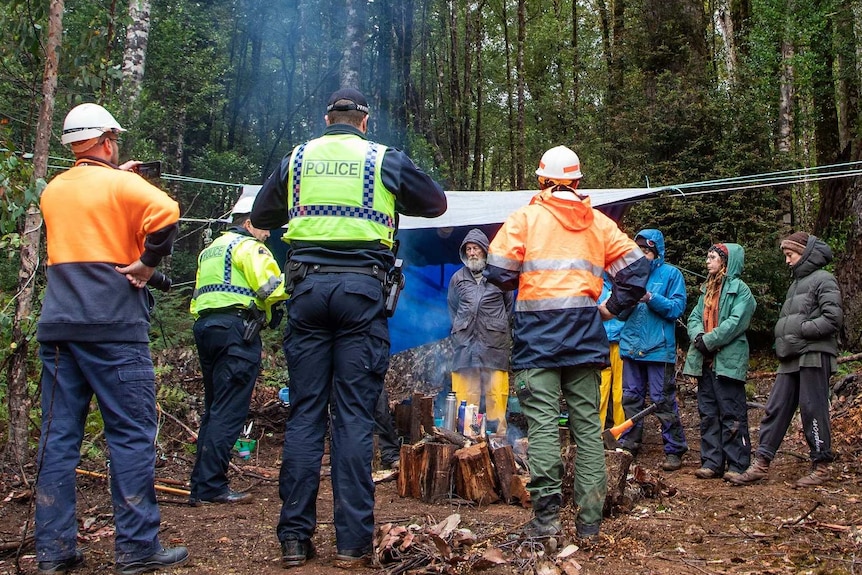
x=736, y=306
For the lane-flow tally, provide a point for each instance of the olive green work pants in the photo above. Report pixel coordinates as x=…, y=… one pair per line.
x=539, y=395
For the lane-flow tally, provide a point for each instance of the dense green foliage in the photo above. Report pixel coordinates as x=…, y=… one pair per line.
x=643, y=90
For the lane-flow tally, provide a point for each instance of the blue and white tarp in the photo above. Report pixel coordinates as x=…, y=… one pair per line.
x=429, y=248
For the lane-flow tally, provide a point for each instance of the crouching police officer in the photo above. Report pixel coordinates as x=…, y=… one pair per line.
x=340, y=193
x=238, y=286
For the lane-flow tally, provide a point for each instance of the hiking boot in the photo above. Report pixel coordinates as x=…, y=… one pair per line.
x=757, y=471
x=546, y=520
x=672, y=462
x=587, y=531
x=62, y=565
x=295, y=552
x=731, y=476
x=706, y=473
x=820, y=473
x=352, y=558
x=166, y=557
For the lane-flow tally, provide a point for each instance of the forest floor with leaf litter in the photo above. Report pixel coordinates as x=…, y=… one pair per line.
x=686, y=526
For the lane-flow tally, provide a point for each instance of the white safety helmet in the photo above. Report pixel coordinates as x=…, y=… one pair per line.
x=560, y=163
x=243, y=205
x=87, y=121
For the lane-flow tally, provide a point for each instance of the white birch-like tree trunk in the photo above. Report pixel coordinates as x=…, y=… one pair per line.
x=354, y=44
x=135, y=54
x=724, y=24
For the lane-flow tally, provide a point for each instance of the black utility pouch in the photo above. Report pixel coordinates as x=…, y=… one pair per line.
x=296, y=272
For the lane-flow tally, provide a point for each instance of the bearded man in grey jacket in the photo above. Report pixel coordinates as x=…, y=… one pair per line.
x=481, y=336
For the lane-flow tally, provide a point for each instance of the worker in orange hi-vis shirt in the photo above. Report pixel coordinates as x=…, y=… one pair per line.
x=107, y=230
x=554, y=251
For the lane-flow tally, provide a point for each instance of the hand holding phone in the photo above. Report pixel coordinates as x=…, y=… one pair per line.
x=149, y=170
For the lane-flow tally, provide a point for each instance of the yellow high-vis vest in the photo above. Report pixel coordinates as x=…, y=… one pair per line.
x=335, y=192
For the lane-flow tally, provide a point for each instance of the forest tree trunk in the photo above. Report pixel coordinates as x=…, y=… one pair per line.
x=31, y=243
x=135, y=54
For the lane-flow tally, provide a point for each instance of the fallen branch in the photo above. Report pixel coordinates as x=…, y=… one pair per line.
x=15, y=545
x=801, y=518
x=193, y=434
x=162, y=488
x=852, y=357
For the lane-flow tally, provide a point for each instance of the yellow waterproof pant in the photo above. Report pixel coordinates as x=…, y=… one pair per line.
x=472, y=383
x=612, y=385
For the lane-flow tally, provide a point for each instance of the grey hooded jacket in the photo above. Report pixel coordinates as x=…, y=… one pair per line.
x=480, y=313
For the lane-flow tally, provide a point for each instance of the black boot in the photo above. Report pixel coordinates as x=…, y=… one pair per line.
x=546, y=520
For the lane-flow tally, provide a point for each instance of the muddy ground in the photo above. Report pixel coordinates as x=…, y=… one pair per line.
x=688, y=526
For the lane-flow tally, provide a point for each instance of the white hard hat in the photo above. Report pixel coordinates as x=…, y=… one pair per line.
x=87, y=121
x=243, y=205
x=560, y=163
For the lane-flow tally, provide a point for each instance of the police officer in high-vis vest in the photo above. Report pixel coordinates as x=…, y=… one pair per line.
x=339, y=194
x=237, y=291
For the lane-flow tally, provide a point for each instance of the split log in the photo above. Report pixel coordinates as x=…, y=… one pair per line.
x=402, y=419
x=410, y=469
x=435, y=475
x=474, y=476
x=617, y=464
x=519, y=491
x=449, y=436
x=504, y=465
x=421, y=416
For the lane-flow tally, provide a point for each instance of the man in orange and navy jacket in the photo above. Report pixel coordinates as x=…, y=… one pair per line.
x=555, y=251
x=107, y=230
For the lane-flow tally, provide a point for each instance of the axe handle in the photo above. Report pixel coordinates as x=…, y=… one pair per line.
x=618, y=430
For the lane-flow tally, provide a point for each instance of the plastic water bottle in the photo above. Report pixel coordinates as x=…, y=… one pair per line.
x=450, y=412
x=284, y=396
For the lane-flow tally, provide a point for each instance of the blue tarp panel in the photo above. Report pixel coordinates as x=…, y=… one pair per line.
x=429, y=248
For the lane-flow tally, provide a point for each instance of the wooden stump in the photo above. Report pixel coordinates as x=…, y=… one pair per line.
x=436, y=473
x=403, y=412
x=504, y=465
x=474, y=476
x=410, y=470
x=617, y=464
x=421, y=416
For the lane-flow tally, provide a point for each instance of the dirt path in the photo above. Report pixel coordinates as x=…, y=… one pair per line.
x=703, y=527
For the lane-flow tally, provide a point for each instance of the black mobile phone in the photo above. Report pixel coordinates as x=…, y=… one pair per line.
x=150, y=170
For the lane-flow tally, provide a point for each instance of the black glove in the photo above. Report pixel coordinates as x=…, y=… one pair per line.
x=699, y=345
x=277, y=314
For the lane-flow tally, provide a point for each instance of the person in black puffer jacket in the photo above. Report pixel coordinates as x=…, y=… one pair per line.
x=807, y=348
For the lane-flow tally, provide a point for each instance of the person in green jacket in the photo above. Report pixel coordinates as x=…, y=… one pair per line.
x=807, y=348
x=718, y=358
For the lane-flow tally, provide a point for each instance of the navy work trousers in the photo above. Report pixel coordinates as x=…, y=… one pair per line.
x=337, y=348
x=122, y=378
x=387, y=438
x=657, y=379
x=230, y=368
